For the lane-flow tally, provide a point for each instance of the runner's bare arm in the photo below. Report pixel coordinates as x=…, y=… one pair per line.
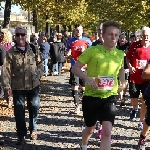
x=146, y=72
x=131, y=69
x=76, y=69
x=122, y=78
x=128, y=62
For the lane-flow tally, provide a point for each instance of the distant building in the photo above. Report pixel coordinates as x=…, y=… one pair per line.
x=15, y=19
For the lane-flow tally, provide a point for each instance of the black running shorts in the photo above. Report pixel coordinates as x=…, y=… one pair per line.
x=99, y=109
x=135, y=89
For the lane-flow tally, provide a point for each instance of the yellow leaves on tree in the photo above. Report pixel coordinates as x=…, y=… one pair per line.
x=131, y=14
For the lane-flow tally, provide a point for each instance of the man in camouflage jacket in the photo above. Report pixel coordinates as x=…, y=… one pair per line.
x=21, y=73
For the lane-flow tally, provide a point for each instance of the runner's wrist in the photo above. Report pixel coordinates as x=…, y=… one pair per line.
x=86, y=78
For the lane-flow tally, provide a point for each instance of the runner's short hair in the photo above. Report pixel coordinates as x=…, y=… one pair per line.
x=110, y=23
x=77, y=25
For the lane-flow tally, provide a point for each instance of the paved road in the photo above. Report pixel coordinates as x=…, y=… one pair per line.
x=59, y=128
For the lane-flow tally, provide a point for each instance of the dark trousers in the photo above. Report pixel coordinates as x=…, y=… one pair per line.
x=33, y=102
x=56, y=68
x=60, y=64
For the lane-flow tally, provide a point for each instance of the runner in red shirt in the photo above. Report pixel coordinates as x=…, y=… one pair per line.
x=137, y=58
x=75, y=46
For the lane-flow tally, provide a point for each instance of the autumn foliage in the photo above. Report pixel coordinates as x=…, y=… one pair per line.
x=131, y=14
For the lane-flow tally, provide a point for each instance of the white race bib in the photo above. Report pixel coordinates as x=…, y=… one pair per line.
x=105, y=82
x=140, y=64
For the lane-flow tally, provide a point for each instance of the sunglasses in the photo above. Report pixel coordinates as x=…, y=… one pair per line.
x=18, y=34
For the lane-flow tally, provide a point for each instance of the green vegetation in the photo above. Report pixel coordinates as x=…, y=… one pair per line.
x=131, y=14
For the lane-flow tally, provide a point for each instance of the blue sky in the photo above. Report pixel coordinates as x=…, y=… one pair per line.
x=14, y=8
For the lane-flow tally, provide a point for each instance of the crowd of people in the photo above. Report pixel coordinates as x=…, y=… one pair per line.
x=101, y=69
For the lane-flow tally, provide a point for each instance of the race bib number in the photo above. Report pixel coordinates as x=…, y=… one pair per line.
x=140, y=64
x=105, y=83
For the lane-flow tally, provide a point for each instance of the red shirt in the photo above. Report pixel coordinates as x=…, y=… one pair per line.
x=76, y=46
x=139, y=56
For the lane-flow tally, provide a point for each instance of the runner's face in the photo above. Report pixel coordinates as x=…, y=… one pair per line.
x=145, y=37
x=111, y=36
x=78, y=31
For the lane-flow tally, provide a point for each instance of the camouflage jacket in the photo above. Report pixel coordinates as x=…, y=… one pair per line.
x=22, y=71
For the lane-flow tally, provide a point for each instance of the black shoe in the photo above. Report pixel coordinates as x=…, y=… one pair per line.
x=141, y=144
x=21, y=140
x=122, y=104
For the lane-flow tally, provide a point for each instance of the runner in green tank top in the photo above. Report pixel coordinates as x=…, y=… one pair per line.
x=104, y=64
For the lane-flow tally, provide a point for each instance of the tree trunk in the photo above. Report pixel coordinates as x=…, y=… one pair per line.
x=35, y=20
x=48, y=24
x=69, y=28
x=7, y=12
x=65, y=28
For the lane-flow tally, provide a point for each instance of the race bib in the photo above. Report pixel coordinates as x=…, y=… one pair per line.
x=105, y=83
x=140, y=64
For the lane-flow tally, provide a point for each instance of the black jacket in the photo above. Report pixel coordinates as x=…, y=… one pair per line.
x=97, y=42
x=57, y=52
x=34, y=47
